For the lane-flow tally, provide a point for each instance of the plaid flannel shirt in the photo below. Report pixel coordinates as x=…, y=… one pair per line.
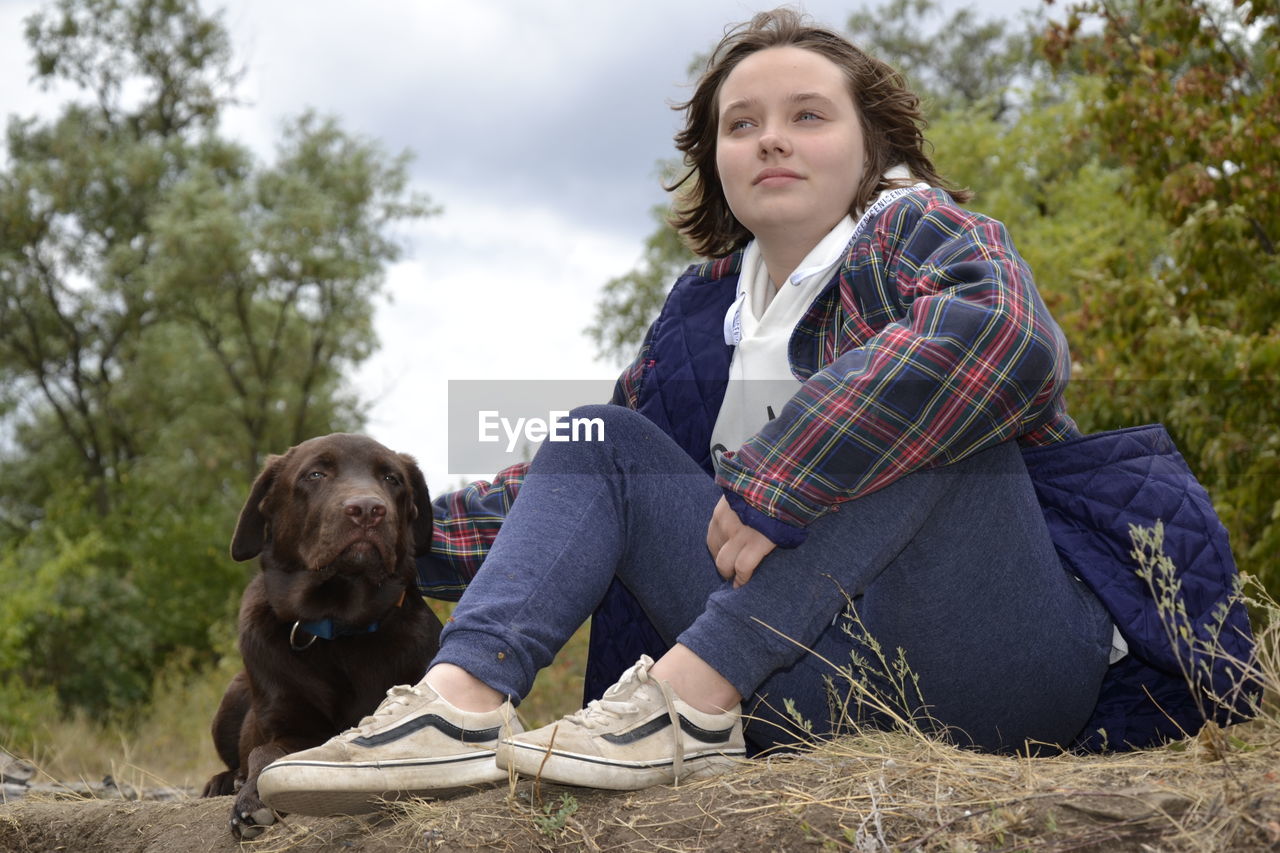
x=930, y=344
x=466, y=523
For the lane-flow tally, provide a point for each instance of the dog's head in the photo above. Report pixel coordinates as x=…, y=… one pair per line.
x=337, y=504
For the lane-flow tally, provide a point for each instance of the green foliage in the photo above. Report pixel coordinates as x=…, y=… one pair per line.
x=1065, y=206
x=1187, y=103
x=1151, y=227
x=172, y=309
x=24, y=712
x=94, y=605
x=954, y=62
x=555, y=815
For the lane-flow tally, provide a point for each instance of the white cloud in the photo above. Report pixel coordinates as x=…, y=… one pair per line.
x=494, y=292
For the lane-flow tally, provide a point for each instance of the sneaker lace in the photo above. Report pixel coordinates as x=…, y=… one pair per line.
x=677, y=756
x=605, y=710
x=397, y=697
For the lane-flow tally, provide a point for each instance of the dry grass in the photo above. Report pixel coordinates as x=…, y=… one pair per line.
x=868, y=791
x=170, y=744
x=904, y=790
x=896, y=791
x=901, y=791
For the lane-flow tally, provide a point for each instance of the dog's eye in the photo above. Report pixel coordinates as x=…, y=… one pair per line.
x=392, y=479
x=314, y=475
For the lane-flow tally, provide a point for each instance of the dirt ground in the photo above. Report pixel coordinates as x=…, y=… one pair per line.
x=486, y=820
x=862, y=796
x=655, y=820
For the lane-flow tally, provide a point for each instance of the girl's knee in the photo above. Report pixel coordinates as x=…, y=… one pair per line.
x=608, y=424
x=587, y=436
x=606, y=413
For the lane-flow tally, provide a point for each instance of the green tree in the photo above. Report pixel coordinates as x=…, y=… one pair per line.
x=1187, y=101
x=953, y=61
x=172, y=309
x=631, y=301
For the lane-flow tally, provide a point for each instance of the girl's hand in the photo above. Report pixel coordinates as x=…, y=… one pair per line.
x=737, y=548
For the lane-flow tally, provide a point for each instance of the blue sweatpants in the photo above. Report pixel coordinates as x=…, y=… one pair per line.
x=949, y=571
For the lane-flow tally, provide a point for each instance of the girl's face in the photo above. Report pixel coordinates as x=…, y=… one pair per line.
x=789, y=147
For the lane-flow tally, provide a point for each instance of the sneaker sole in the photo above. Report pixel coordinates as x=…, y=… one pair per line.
x=334, y=787
x=592, y=771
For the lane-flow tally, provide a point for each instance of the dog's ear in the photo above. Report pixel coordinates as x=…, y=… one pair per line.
x=251, y=529
x=423, y=518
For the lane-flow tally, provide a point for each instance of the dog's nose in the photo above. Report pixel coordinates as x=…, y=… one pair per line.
x=365, y=511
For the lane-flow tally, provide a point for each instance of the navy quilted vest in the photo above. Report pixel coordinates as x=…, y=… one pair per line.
x=1091, y=489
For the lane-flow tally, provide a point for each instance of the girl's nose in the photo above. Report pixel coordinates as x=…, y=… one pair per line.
x=772, y=142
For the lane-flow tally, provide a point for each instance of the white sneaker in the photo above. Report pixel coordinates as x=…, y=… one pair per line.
x=414, y=744
x=637, y=735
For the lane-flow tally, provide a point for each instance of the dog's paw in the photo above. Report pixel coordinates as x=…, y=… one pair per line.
x=249, y=824
x=222, y=784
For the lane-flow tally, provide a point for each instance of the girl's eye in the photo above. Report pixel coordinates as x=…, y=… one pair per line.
x=808, y=114
x=739, y=124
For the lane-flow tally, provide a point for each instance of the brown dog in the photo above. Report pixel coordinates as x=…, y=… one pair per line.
x=333, y=620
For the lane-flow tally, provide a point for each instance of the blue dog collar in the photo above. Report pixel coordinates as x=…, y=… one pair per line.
x=328, y=629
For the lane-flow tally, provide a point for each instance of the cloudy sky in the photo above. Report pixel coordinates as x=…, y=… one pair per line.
x=535, y=124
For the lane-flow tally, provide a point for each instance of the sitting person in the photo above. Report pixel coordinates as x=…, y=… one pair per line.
x=820, y=441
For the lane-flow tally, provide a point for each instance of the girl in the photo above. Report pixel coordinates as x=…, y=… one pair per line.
x=817, y=448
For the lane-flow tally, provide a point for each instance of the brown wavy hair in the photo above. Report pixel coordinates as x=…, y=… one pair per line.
x=892, y=126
